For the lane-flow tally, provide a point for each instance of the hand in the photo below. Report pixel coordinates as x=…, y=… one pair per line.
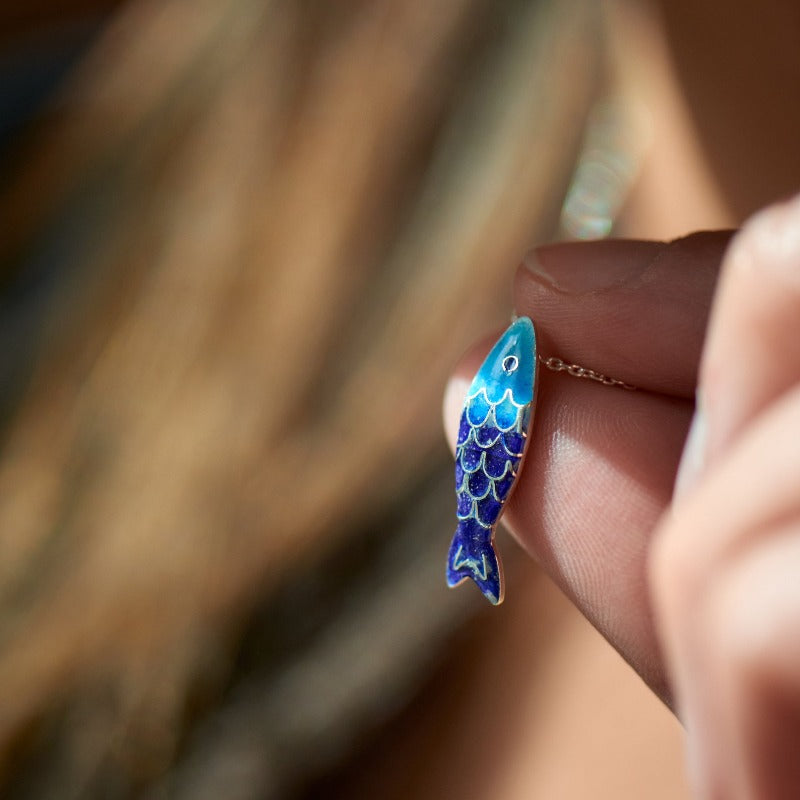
x=700, y=592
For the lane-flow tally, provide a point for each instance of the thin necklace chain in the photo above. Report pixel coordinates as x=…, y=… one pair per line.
x=559, y=365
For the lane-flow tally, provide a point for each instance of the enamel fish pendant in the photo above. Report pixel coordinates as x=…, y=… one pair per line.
x=492, y=438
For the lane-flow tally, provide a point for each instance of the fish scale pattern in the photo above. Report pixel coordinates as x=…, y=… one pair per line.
x=491, y=441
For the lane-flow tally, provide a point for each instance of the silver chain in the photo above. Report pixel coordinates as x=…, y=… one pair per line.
x=559, y=365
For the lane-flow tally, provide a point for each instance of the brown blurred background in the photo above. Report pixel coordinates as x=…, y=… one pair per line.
x=243, y=242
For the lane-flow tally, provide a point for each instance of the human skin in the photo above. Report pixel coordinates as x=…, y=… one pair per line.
x=699, y=588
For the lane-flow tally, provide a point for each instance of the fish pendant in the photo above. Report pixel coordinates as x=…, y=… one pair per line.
x=492, y=439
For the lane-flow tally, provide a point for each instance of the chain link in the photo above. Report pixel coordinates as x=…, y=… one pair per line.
x=558, y=365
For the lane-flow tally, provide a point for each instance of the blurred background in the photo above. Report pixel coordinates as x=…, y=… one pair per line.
x=242, y=244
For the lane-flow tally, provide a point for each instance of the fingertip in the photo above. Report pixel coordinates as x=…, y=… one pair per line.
x=635, y=310
x=751, y=356
x=453, y=402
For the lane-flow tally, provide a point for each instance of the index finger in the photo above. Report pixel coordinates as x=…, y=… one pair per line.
x=634, y=310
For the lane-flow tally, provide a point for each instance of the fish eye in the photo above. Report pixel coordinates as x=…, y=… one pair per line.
x=510, y=364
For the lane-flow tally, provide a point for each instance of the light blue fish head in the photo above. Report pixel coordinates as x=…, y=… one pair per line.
x=510, y=365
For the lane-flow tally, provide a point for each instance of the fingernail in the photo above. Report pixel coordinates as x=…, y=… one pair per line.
x=453, y=403
x=694, y=452
x=771, y=240
x=581, y=267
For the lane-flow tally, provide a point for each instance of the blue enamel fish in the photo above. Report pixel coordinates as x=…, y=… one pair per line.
x=492, y=438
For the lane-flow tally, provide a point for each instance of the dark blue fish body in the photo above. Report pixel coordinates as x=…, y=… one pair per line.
x=492, y=438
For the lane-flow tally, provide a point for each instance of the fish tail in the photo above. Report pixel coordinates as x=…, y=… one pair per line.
x=473, y=556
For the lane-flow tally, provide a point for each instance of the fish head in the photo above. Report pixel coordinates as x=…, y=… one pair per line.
x=510, y=365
